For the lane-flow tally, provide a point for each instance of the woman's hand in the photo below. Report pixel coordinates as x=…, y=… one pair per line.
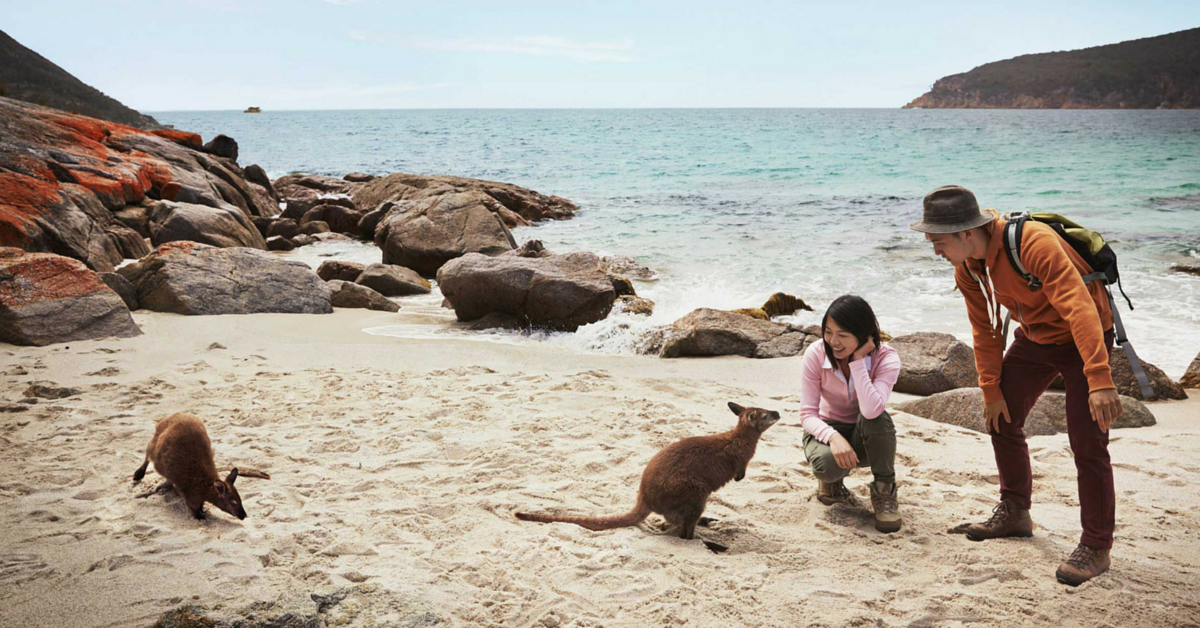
x=843, y=453
x=863, y=351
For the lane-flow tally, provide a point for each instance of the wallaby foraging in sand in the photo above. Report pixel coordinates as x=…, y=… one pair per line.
x=677, y=482
x=182, y=454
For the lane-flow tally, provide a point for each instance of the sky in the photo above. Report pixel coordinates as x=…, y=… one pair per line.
x=169, y=55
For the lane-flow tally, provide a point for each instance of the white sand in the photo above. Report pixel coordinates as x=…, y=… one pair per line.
x=401, y=461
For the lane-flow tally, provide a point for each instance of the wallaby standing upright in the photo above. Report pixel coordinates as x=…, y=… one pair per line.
x=678, y=480
x=182, y=454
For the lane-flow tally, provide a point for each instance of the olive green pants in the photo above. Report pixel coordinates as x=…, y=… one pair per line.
x=873, y=440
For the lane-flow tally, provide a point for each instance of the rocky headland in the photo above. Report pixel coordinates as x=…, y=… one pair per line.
x=1151, y=73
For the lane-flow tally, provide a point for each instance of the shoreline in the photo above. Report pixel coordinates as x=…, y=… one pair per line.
x=401, y=461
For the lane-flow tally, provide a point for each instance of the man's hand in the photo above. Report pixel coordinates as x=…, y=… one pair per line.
x=992, y=411
x=843, y=453
x=1105, y=406
x=863, y=351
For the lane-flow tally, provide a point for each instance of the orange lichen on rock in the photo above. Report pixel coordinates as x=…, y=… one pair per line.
x=180, y=137
x=18, y=190
x=37, y=277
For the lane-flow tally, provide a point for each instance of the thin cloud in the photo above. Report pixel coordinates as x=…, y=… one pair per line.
x=536, y=46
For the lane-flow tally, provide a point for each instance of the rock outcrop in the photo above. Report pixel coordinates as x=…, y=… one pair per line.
x=428, y=233
x=932, y=362
x=73, y=185
x=47, y=299
x=197, y=279
x=964, y=407
x=709, y=332
x=560, y=292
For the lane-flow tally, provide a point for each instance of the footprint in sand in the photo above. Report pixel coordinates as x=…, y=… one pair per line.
x=18, y=569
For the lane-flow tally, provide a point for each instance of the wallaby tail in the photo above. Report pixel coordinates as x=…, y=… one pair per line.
x=631, y=518
x=141, y=471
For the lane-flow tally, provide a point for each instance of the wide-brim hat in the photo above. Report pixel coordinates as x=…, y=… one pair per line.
x=951, y=209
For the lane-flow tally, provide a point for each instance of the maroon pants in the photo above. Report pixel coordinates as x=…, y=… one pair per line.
x=1028, y=370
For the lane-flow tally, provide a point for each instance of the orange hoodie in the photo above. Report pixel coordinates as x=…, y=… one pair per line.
x=1064, y=310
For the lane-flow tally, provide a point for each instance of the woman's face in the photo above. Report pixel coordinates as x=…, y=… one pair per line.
x=841, y=341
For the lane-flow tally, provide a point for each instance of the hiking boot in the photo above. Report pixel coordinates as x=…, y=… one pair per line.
x=1008, y=519
x=1082, y=565
x=883, y=500
x=830, y=493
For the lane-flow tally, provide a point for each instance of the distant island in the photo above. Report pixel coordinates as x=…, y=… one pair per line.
x=1154, y=73
x=28, y=76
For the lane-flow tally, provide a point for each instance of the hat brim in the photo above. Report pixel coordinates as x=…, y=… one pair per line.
x=956, y=227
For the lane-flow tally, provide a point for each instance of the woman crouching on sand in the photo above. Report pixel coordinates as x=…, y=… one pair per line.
x=844, y=388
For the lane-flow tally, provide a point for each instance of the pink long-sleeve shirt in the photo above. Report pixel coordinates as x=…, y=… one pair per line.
x=827, y=397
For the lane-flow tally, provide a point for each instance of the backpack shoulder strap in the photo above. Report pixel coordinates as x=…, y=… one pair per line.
x=1013, y=229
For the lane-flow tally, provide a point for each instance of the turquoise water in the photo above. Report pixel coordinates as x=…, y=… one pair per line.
x=731, y=205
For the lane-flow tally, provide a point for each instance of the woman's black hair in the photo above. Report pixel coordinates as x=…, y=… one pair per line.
x=853, y=314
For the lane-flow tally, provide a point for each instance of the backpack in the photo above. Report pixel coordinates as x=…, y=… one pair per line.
x=1097, y=253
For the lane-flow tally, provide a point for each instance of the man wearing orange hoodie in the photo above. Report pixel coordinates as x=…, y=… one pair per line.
x=1065, y=328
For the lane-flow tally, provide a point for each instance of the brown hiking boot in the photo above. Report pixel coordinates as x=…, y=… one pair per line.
x=1008, y=519
x=1082, y=565
x=830, y=493
x=887, y=515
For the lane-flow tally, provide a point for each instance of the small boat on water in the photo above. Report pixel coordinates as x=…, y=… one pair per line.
x=252, y=110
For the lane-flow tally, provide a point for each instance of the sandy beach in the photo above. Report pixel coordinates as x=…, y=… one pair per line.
x=400, y=462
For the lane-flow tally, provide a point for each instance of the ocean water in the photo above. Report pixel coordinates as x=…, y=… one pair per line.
x=731, y=205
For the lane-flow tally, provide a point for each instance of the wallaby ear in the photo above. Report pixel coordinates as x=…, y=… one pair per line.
x=231, y=477
x=220, y=486
x=738, y=410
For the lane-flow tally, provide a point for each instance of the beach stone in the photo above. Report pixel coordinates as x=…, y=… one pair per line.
x=497, y=320
x=357, y=606
x=372, y=606
x=197, y=279
x=311, y=186
x=331, y=269
x=290, y=610
x=50, y=390
x=709, y=332
x=262, y=224
x=1190, y=269
x=314, y=227
x=284, y=228
x=560, y=292
x=1162, y=385
x=778, y=304
x=932, y=362
x=347, y=294
x=223, y=146
x=370, y=220
x=47, y=299
x=297, y=207
x=280, y=243
x=964, y=407
x=122, y=287
x=303, y=240
x=171, y=221
x=358, y=177
x=340, y=219
x=626, y=267
x=438, y=229
x=632, y=304
x=514, y=204
x=256, y=175
x=1191, y=378
x=393, y=281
